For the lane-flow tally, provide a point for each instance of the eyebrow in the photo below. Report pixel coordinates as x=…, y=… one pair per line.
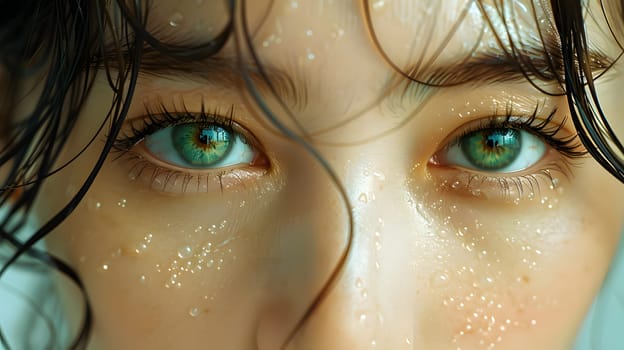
x=224, y=71
x=543, y=64
x=536, y=62
x=539, y=64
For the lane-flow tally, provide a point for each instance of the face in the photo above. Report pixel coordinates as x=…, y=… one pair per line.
x=463, y=218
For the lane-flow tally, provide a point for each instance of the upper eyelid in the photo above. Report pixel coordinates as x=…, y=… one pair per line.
x=551, y=129
x=135, y=129
x=509, y=119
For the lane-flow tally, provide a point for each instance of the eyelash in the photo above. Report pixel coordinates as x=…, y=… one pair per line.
x=161, y=118
x=568, y=147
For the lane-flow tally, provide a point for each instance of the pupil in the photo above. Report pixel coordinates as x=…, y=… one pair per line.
x=491, y=142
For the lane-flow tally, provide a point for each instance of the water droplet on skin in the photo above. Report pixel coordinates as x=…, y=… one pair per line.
x=94, y=205
x=185, y=252
x=364, y=293
x=175, y=19
x=116, y=253
x=194, y=312
x=122, y=203
x=142, y=278
x=363, y=198
x=294, y=4
x=378, y=243
x=476, y=192
x=142, y=246
x=362, y=318
x=337, y=33
x=379, y=175
x=379, y=4
x=358, y=283
x=105, y=267
x=309, y=32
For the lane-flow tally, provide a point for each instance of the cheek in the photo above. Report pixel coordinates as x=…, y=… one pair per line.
x=165, y=263
x=510, y=279
x=181, y=265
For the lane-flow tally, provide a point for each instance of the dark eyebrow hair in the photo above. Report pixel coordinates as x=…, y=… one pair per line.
x=224, y=71
x=492, y=67
x=531, y=64
x=534, y=62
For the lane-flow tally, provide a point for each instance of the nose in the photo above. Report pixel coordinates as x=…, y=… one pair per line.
x=380, y=299
x=373, y=305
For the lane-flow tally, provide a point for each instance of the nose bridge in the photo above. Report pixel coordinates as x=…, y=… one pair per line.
x=373, y=304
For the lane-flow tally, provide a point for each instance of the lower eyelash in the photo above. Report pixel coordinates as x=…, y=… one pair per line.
x=510, y=188
x=171, y=181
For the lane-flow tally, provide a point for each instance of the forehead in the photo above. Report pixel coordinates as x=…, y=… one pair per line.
x=402, y=25
x=321, y=42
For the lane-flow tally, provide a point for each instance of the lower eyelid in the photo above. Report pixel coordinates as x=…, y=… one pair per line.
x=546, y=175
x=143, y=172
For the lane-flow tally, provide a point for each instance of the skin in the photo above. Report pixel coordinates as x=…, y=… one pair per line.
x=432, y=265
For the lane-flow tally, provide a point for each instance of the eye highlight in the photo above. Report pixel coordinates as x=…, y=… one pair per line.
x=500, y=150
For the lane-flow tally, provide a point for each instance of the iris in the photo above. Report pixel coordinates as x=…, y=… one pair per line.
x=491, y=149
x=201, y=145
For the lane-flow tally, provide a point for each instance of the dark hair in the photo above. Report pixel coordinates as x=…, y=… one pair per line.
x=61, y=44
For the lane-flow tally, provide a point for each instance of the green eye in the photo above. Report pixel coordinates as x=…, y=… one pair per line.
x=492, y=149
x=495, y=150
x=200, y=146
